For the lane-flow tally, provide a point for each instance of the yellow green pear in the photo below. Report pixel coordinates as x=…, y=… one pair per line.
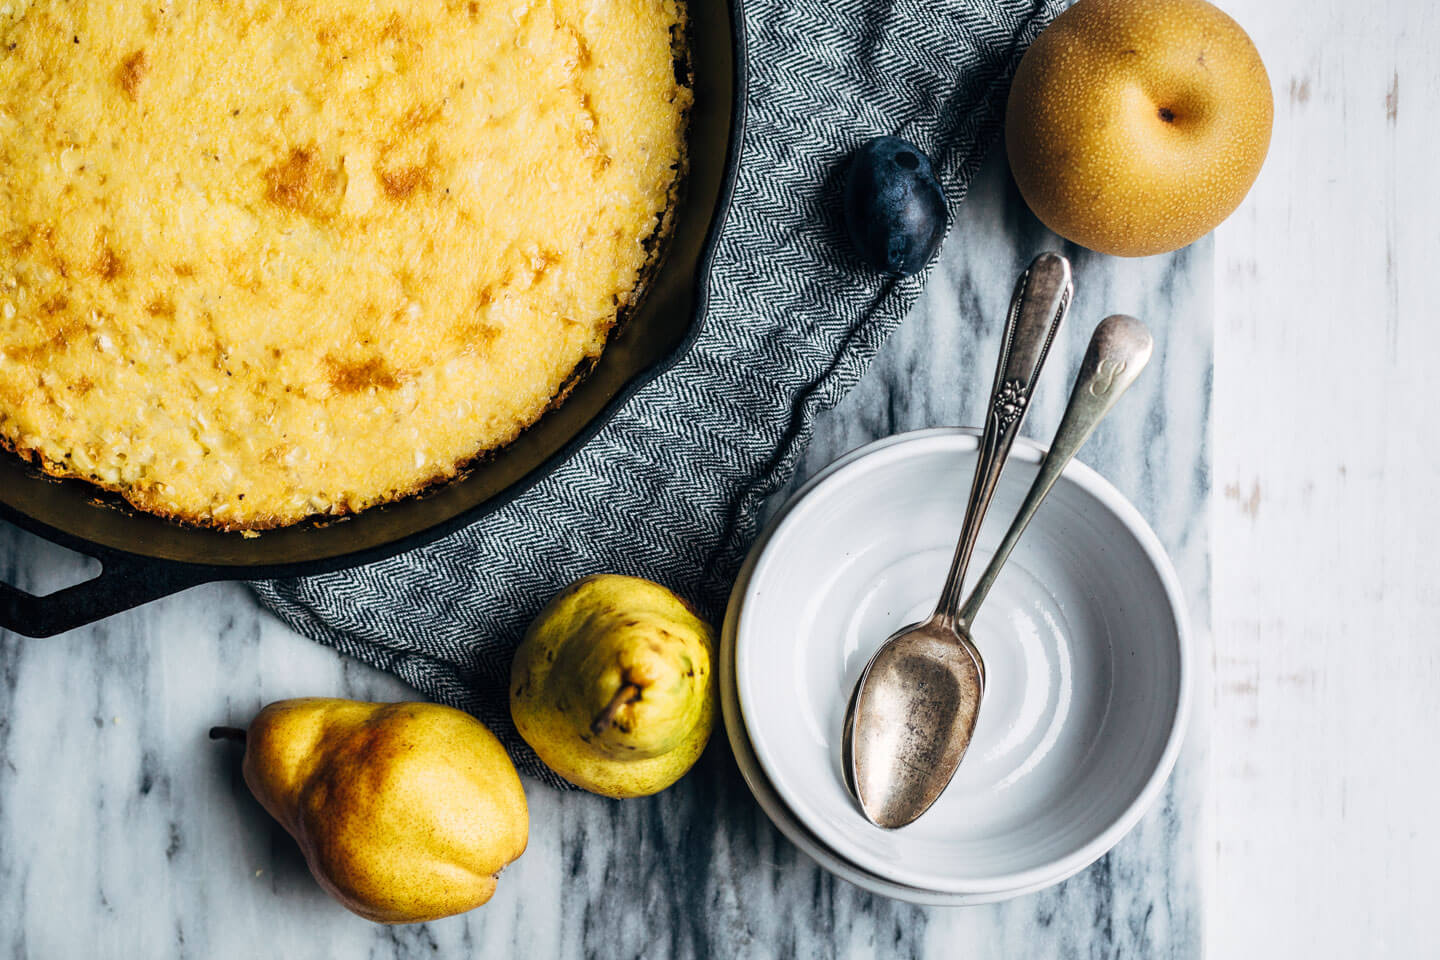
x=405, y=812
x=613, y=686
x=1135, y=127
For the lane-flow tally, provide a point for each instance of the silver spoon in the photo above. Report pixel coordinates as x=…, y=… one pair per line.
x=945, y=689
x=908, y=747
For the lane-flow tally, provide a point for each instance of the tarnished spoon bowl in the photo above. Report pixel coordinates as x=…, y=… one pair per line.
x=925, y=697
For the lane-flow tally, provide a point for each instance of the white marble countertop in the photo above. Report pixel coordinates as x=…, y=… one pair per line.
x=120, y=834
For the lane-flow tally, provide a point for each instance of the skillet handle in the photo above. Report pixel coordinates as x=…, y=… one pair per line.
x=123, y=584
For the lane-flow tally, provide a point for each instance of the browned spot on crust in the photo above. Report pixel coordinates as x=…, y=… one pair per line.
x=18, y=241
x=394, y=28
x=184, y=270
x=287, y=184
x=476, y=335
x=55, y=306
x=586, y=137
x=303, y=183
x=485, y=297
x=108, y=266
x=399, y=184
x=64, y=330
x=582, y=49
x=402, y=168
x=160, y=307
x=589, y=144
x=484, y=334
x=472, y=8
x=543, y=261
x=40, y=241
x=352, y=377
x=82, y=386
x=130, y=72
x=419, y=116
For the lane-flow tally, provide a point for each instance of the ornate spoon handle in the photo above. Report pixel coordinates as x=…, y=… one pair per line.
x=1042, y=298
x=1119, y=350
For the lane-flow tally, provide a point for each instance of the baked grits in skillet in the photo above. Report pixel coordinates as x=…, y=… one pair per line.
x=260, y=261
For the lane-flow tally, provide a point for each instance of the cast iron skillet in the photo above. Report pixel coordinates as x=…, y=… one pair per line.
x=144, y=557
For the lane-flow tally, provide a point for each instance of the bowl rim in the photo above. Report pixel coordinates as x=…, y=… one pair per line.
x=910, y=444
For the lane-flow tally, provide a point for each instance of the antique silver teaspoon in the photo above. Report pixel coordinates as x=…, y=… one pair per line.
x=908, y=747
x=925, y=681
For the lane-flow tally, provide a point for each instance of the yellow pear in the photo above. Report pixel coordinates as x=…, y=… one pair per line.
x=1135, y=126
x=613, y=686
x=405, y=812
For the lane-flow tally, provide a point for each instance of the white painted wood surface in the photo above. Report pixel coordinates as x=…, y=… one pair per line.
x=1327, y=526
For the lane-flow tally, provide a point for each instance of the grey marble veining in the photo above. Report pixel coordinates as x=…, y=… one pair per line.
x=125, y=833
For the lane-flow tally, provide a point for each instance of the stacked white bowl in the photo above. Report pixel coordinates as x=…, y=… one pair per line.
x=1086, y=668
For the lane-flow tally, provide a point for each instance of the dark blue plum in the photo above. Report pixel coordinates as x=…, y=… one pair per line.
x=894, y=206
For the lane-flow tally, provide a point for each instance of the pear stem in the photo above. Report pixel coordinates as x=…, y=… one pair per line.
x=227, y=733
x=628, y=693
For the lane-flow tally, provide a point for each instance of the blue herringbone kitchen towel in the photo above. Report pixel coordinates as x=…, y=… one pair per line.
x=670, y=489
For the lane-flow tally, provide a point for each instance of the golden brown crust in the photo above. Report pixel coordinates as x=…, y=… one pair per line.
x=240, y=326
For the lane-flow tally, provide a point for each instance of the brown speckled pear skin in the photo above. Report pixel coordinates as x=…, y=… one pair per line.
x=1134, y=127
x=405, y=812
x=613, y=686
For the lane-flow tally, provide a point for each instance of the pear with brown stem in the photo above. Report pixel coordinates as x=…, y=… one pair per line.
x=405, y=812
x=613, y=686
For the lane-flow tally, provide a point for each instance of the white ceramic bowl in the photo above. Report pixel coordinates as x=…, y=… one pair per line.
x=1083, y=639
x=770, y=801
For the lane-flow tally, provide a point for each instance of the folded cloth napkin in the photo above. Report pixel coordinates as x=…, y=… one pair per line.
x=672, y=487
